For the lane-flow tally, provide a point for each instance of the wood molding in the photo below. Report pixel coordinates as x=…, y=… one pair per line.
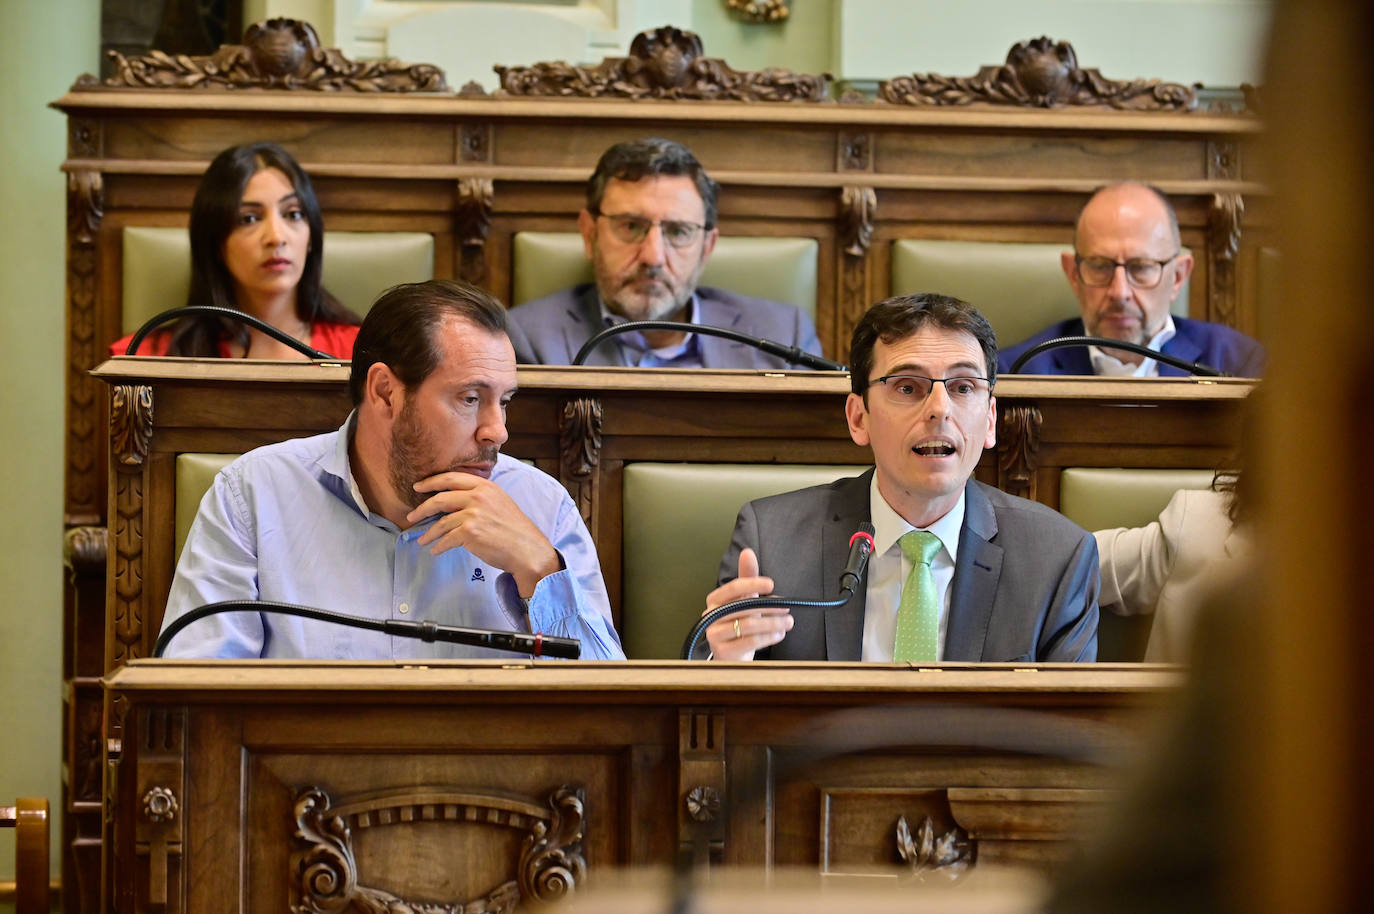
x=131, y=427
x=85, y=211
x=472, y=222
x=325, y=877
x=858, y=210
x=159, y=829
x=701, y=783
x=579, y=436
x=1039, y=73
x=1223, y=245
x=1018, y=445
x=280, y=54
x=667, y=63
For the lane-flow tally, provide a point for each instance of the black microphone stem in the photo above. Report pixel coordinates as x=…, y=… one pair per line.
x=1065, y=342
x=794, y=355
x=242, y=317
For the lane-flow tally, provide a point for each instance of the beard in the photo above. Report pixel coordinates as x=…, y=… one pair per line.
x=412, y=456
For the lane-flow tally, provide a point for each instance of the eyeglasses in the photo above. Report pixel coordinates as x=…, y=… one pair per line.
x=632, y=229
x=1141, y=272
x=912, y=389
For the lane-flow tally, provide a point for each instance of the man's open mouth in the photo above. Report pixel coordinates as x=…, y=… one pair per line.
x=934, y=447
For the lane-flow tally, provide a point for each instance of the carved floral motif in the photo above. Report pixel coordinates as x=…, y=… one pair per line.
x=473, y=220
x=1039, y=73
x=85, y=210
x=1223, y=246
x=927, y=855
x=759, y=11
x=1018, y=449
x=579, y=444
x=663, y=63
x=858, y=208
x=324, y=871
x=131, y=423
x=275, y=54
x=131, y=429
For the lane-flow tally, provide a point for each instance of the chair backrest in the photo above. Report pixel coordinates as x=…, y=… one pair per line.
x=678, y=518
x=781, y=269
x=1098, y=498
x=1019, y=287
x=357, y=266
x=29, y=819
x=194, y=474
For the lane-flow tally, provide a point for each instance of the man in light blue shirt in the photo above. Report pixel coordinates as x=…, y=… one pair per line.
x=407, y=512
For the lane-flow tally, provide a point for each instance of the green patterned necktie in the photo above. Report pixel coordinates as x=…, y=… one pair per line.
x=918, y=613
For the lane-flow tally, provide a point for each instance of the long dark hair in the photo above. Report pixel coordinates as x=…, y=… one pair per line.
x=214, y=214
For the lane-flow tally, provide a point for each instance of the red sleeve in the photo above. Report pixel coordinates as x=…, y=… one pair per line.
x=153, y=344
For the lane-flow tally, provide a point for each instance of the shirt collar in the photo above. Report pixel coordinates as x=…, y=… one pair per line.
x=1110, y=366
x=337, y=465
x=889, y=526
x=635, y=340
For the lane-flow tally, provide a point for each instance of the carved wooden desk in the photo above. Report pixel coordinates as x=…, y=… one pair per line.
x=584, y=425
x=243, y=784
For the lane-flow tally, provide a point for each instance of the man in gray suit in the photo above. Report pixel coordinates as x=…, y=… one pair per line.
x=648, y=228
x=1006, y=579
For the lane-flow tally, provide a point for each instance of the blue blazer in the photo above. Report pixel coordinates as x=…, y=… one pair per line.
x=1197, y=341
x=550, y=330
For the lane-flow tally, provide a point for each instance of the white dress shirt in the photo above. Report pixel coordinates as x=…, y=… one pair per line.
x=1108, y=366
x=889, y=567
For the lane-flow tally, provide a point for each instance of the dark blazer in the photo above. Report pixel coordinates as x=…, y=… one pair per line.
x=1024, y=589
x=550, y=330
x=1197, y=341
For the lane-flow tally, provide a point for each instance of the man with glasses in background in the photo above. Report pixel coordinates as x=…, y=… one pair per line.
x=960, y=571
x=1127, y=267
x=648, y=228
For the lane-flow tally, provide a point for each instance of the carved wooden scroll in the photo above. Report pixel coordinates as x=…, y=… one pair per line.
x=858, y=208
x=1223, y=245
x=131, y=430
x=324, y=874
x=1017, y=448
x=85, y=210
x=473, y=221
x=664, y=63
x=1039, y=73
x=579, y=446
x=928, y=855
x=275, y=54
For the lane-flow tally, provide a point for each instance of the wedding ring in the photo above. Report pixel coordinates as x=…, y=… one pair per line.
x=737, y=634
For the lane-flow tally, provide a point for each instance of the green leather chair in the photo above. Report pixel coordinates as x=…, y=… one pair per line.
x=1019, y=287
x=781, y=269
x=1102, y=498
x=357, y=267
x=678, y=518
x=194, y=475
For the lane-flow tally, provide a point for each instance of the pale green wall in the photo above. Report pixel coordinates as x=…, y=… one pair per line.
x=801, y=42
x=43, y=47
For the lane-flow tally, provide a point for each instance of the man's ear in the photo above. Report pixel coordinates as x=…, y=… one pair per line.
x=991, y=441
x=1069, y=265
x=586, y=226
x=708, y=244
x=856, y=412
x=383, y=392
x=1183, y=268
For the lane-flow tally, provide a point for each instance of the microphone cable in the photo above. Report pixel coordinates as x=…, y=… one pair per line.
x=286, y=339
x=1065, y=342
x=794, y=355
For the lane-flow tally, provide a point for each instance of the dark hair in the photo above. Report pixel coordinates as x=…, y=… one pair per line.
x=214, y=214
x=1159, y=194
x=399, y=331
x=635, y=160
x=897, y=318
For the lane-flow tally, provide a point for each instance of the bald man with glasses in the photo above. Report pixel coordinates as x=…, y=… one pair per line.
x=1127, y=267
x=648, y=228
x=960, y=571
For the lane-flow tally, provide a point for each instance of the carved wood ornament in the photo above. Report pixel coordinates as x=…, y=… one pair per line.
x=579, y=446
x=926, y=855
x=1223, y=246
x=472, y=220
x=858, y=209
x=85, y=210
x=324, y=874
x=1018, y=444
x=275, y=54
x=1040, y=73
x=666, y=63
x=131, y=430
x=759, y=11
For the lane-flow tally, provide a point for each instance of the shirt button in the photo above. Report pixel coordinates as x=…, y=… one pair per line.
x=405, y=608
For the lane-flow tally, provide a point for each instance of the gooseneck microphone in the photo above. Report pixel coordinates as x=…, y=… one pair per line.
x=793, y=355
x=213, y=310
x=860, y=548
x=1065, y=342
x=536, y=644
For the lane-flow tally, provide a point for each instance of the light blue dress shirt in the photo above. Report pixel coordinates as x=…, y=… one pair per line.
x=288, y=523
x=636, y=349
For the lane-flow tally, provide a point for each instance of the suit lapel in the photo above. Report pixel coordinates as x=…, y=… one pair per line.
x=1180, y=347
x=844, y=625
x=976, y=575
x=1072, y=359
x=586, y=320
x=717, y=352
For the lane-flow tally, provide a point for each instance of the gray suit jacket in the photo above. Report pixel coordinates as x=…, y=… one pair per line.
x=1025, y=583
x=550, y=330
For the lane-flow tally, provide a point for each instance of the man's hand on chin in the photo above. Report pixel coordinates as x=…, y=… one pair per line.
x=478, y=515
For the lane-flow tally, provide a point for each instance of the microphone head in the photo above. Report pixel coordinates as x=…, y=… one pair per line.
x=865, y=532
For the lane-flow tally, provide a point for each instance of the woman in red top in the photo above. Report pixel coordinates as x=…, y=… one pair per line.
x=257, y=241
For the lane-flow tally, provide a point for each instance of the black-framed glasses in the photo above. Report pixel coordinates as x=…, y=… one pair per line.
x=632, y=229
x=1141, y=272
x=912, y=389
